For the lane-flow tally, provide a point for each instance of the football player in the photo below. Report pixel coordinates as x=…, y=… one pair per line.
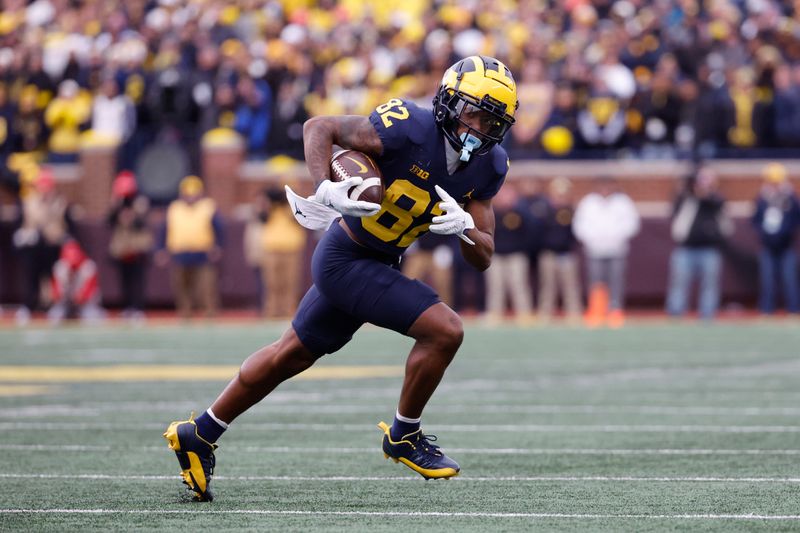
x=440, y=171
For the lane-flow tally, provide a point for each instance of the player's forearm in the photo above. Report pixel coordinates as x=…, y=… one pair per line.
x=318, y=135
x=479, y=255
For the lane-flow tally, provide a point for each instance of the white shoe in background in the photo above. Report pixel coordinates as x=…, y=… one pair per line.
x=23, y=316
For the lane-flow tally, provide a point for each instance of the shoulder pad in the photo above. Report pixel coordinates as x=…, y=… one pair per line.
x=500, y=161
x=422, y=124
x=399, y=122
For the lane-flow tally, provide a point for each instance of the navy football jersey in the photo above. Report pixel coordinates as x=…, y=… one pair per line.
x=412, y=162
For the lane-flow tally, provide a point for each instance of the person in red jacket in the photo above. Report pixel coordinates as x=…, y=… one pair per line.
x=76, y=292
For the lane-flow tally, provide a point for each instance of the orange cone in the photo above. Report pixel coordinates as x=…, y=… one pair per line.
x=598, y=306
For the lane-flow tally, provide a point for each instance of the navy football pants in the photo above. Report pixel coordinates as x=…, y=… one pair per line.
x=354, y=285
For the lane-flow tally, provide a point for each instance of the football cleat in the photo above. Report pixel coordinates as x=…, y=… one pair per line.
x=416, y=452
x=195, y=455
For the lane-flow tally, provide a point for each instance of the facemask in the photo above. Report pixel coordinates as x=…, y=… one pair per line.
x=470, y=143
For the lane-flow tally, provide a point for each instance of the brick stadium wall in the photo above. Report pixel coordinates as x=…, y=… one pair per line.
x=233, y=182
x=648, y=268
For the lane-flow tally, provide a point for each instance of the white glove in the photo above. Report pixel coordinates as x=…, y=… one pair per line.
x=334, y=194
x=455, y=220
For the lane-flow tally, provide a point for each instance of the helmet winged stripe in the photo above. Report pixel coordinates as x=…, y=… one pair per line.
x=481, y=82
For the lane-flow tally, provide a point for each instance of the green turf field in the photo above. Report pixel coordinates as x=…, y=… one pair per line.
x=650, y=428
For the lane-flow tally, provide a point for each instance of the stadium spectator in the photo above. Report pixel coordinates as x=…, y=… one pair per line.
x=192, y=240
x=537, y=205
x=787, y=107
x=6, y=119
x=161, y=53
x=10, y=209
x=46, y=224
x=509, y=274
x=711, y=136
x=201, y=113
x=76, y=291
x=656, y=111
x=776, y=220
x=601, y=121
x=286, y=132
x=131, y=242
x=560, y=130
x=699, y=228
x=221, y=113
x=558, y=263
x=605, y=222
x=748, y=111
x=65, y=116
x=113, y=114
x=28, y=131
x=167, y=98
x=134, y=87
x=535, y=201
x=254, y=113
x=202, y=81
x=686, y=131
x=283, y=243
x=536, y=93
x=34, y=75
x=252, y=242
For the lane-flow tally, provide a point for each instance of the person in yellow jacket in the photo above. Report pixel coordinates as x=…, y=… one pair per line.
x=283, y=242
x=64, y=116
x=192, y=240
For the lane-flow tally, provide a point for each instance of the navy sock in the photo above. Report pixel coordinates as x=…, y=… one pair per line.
x=208, y=428
x=400, y=428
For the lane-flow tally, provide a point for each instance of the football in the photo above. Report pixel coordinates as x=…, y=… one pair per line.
x=351, y=163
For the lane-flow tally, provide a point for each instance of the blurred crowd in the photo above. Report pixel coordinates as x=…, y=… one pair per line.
x=188, y=239
x=552, y=250
x=616, y=78
x=602, y=78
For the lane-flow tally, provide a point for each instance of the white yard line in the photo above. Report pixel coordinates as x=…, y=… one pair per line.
x=461, y=479
x=292, y=406
x=522, y=451
x=464, y=428
x=479, y=451
x=55, y=447
x=407, y=514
